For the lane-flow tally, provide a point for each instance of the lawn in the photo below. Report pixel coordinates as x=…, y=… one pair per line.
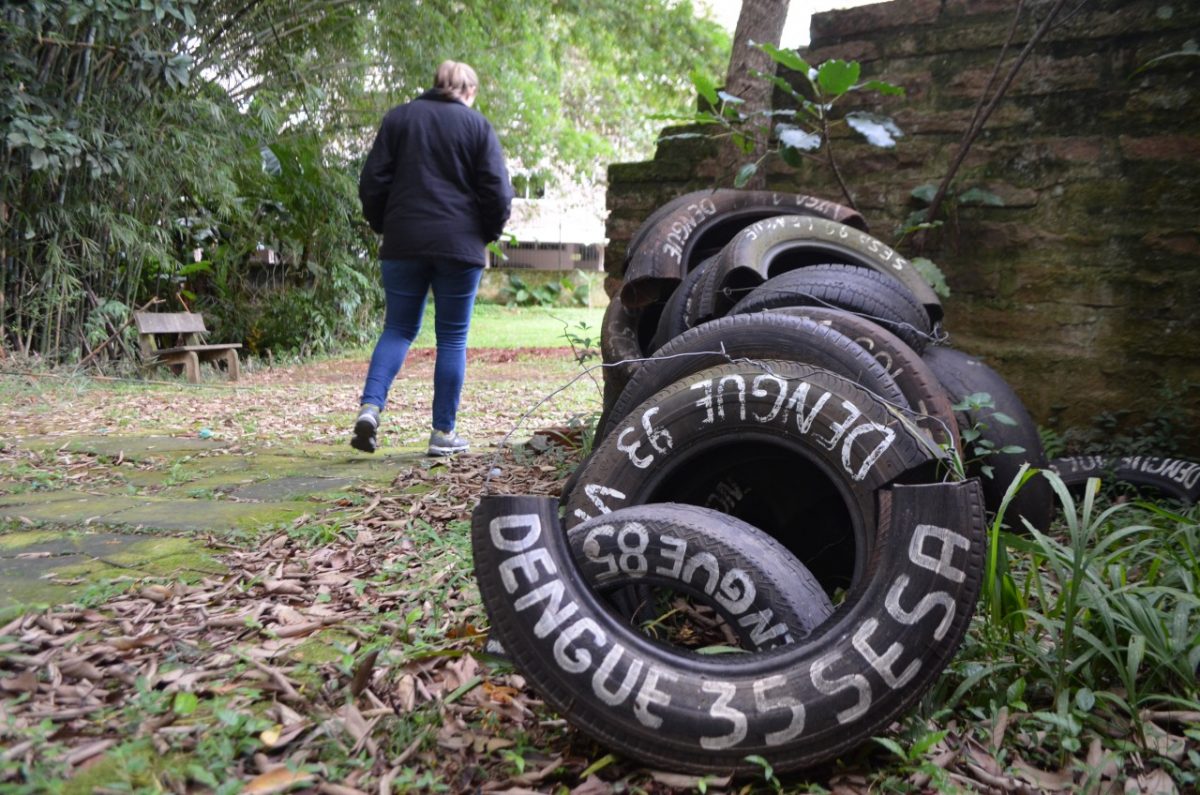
x=496, y=326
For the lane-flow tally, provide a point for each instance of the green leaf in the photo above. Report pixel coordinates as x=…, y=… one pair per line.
x=789, y=59
x=720, y=650
x=1012, y=604
x=1011, y=449
x=202, y=774
x=980, y=197
x=979, y=400
x=932, y=274
x=185, y=703
x=744, y=174
x=835, y=77
x=496, y=251
x=1003, y=418
x=1085, y=699
x=924, y=193
x=705, y=86
x=783, y=86
x=768, y=771
x=196, y=267
x=883, y=87
x=1184, y=53
x=926, y=741
x=892, y=746
x=791, y=157
x=38, y=160
x=463, y=689
x=1016, y=691
x=1134, y=655
x=597, y=766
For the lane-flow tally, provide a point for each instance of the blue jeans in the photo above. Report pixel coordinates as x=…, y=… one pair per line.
x=405, y=284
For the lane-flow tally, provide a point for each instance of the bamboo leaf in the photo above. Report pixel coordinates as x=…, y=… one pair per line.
x=744, y=174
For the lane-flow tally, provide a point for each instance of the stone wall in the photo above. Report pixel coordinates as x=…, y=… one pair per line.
x=1083, y=289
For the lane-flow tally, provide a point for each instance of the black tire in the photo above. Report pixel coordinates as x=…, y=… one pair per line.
x=674, y=319
x=759, y=336
x=796, y=706
x=931, y=408
x=798, y=452
x=686, y=230
x=774, y=246
x=874, y=295
x=963, y=375
x=620, y=350
x=720, y=291
x=765, y=595
x=1174, y=478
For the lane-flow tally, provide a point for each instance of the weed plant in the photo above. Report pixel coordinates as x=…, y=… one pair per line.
x=1088, y=641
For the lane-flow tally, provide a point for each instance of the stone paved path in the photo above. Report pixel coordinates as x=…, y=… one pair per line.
x=153, y=506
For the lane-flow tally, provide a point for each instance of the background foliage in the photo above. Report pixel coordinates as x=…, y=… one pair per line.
x=152, y=147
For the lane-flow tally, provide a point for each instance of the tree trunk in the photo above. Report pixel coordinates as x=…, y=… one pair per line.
x=760, y=21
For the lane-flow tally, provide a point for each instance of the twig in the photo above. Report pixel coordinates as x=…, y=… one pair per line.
x=117, y=333
x=278, y=678
x=981, y=118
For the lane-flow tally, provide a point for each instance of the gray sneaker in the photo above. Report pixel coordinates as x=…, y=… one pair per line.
x=446, y=443
x=365, y=426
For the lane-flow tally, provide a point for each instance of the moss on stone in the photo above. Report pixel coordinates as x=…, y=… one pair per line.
x=11, y=542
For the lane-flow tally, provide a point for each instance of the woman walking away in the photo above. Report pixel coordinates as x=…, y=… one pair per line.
x=436, y=187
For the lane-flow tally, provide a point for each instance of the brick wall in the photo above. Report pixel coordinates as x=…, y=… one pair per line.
x=1083, y=290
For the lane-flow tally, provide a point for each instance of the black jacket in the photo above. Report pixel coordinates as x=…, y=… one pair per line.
x=435, y=184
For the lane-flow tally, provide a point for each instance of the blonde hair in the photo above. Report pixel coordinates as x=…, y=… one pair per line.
x=456, y=79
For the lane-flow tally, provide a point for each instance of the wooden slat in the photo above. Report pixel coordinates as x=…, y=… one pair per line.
x=170, y=323
x=199, y=348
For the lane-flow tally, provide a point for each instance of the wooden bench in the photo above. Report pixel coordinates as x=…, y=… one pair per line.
x=173, y=339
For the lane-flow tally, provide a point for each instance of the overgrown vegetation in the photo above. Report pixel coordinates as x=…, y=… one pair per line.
x=205, y=154
x=1083, y=663
x=554, y=291
x=798, y=132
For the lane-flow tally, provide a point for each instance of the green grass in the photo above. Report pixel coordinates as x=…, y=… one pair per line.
x=495, y=326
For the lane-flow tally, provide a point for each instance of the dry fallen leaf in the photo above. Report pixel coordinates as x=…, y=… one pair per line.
x=24, y=682
x=594, y=786
x=1045, y=780
x=1153, y=782
x=156, y=593
x=274, y=781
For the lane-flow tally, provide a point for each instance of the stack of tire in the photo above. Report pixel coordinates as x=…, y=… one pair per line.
x=778, y=436
x=724, y=270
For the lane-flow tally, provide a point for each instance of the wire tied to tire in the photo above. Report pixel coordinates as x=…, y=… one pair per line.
x=906, y=413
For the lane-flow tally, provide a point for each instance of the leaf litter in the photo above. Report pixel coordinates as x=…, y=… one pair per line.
x=344, y=654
